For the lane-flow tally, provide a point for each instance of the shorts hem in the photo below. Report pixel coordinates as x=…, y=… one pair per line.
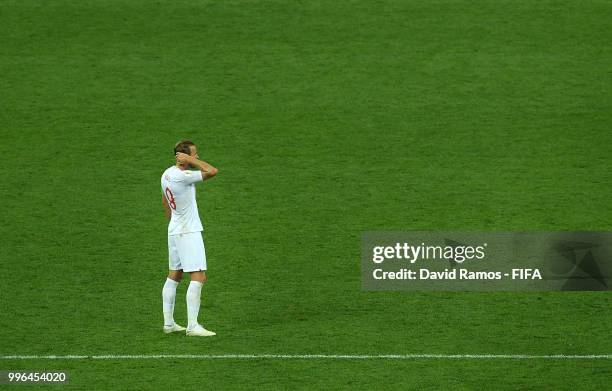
x=194, y=270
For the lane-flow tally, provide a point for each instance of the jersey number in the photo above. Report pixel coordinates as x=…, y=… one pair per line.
x=170, y=198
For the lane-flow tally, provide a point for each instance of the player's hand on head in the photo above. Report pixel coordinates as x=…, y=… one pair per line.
x=182, y=158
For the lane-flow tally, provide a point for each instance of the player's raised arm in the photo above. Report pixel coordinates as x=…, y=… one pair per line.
x=208, y=171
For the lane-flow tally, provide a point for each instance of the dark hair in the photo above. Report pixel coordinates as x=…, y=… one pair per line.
x=183, y=146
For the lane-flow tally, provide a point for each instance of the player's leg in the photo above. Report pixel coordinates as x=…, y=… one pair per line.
x=193, y=297
x=191, y=249
x=169, y=295
x=175, y=275
x=193, y=305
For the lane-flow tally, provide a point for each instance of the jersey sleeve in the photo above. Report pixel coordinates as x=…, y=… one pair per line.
x=194, y=176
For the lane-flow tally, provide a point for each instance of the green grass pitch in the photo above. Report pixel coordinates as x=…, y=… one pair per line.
x=326, y=119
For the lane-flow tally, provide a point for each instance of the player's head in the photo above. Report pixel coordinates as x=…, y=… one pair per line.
x=186, y=146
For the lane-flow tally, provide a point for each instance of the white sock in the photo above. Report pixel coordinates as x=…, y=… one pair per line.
x=168, y=296
x=193, y=303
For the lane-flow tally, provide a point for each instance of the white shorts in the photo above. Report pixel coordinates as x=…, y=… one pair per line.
x=186, y=252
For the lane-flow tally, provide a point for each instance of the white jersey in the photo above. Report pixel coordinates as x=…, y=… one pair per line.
x=178, y=186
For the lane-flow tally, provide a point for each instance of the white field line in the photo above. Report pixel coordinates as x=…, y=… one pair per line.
x=311, y=356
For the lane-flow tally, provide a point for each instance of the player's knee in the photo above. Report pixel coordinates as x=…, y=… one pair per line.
x=199, y=276
x=176, y=275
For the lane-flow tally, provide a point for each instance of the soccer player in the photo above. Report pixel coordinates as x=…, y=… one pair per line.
x=185, y=244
